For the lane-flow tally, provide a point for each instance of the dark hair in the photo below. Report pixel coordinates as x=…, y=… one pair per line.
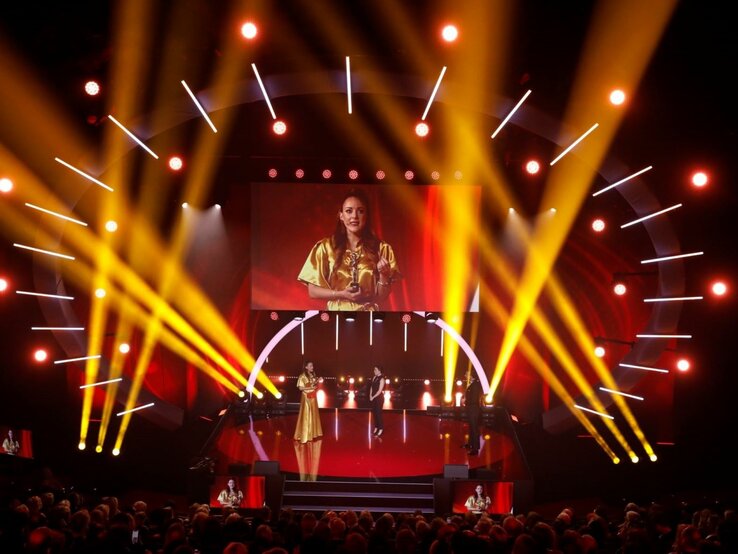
x=379, y=367
x=304, y=366
x=369, y=240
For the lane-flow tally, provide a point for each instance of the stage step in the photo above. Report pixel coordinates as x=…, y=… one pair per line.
x=374, y=496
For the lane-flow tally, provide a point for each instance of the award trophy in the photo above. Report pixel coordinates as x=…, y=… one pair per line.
x=354, y=263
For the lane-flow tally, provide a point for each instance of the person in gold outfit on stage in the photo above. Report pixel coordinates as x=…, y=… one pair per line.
x=308, y=420
x=352, y=269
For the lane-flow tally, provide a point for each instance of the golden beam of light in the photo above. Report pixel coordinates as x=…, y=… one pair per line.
x=117, y=361
x=613, y=52
x=98, y=313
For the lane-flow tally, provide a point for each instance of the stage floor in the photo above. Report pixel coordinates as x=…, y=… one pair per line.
x=414, y=444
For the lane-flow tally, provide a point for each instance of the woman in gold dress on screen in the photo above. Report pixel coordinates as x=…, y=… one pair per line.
x=352, y=269
x=308, y=420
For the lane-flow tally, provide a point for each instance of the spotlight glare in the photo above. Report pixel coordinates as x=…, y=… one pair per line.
x=435, y=175
x=176, y=163
x=683, y=365
x=300, y=173
x=380, y=175
x=532, y=167
x=634, y=459
x=327, y=174
x=100, y=293
x=653, y=457
x=116, y=451
x=279, y=127
x=124, y=348
x=599, y=351
x=272, y=173
x=351, y=380
x=426, y=382
x=409, y=175
x=185, y=205
x=249, y=30
x=217, y=206
x=6, y=185
x=40, y=355
x=92, y=88
x=598, y=225
x=98, y=449
x=617, y=97
x=3, y=284
x=450, y=33
x=353, y=174
x=620, y=289
x=81, y=445
x=280, y=378
x=422, y=129
x=459, y=382
x=111, y=226
x=699, y=179
x=719, y=288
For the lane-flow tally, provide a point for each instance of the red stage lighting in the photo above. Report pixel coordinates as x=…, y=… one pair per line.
x=449, y=33
x=598, y=225
x=719, y=288
x=406, y=318
x=249, y=30
x=435, y=175
x=274, y=316
x=327, y=174
x=325, y=316
x=353, y=174
x=620, y=289
x=6, y=185
x=700, y=179
x=532, y=167
x=272, y=173
x=351, y=380
x=175, y=163
x=300, y=173
x=280, y=378
x=600, y=351
x=3, y=284
x=409, y=175
x=124, y=348
x=683, y=365
x=279, y=127
x=40, y=355
x=380, y=175
x=422, y=129
x=617, y=97
x=92, y=88
x=426, y=382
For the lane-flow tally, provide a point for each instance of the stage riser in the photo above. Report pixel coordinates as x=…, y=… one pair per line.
x=374, y=497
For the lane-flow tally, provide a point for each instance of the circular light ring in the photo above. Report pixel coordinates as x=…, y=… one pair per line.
x=279, y=127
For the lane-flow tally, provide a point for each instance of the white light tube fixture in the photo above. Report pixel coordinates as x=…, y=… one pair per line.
x=135, y=409
x=645, y=368
x=668, y=258
x=674, y=207
x=433, y=94
x=577, y=406
x=200, y=107
x=101, y=383
x=134, y=137
x=573, y=144
x=348, y=84
x=45, y=295
x=624, y=180
x=70, y=360
x=83, y=174
x=512, y=112
x=619, y=393
x=263, y=91
x=55, y=214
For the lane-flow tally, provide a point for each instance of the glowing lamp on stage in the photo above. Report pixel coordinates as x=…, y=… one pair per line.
x=422, y=129
x=98, y=448
x=249, y=30
x=124, y=348
x=653, y=457
x=274, y=316
x=116, y=451
x=406, y=318
x=459, y=382
x=279, y=127
x=280, y=378
x=241, y=394
x=435, y=175
x=175, y=163
x=620, y=289
x=387, y=381
x=699, y=179
x=3, y=285
x=598, y=225
x=599, y=351
x=634, y=459
x=300, y=173
x=719, y=288
x=380, y=175
x=361, y=379
x=272, y=173
x=449, y=33
x=92, y=88
x=426, y=382
x=111, y=226
x=350, y=318
x=81, y=445
x=488, y=399
x=327, y=174
x=409, y=175
x=100, y=293
x=40, y=355
x=458, y=175
x=617, y=97
x=6, y=185
x=353, y=174
x=683, y=365
x=351, y=380
x=185, y=205
x=325, y=316
x=532, y=167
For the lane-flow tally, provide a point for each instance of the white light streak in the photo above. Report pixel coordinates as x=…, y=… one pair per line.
x=621, y=181
x=302, y=338
x=633, y=396
x=199, y=107
x=659, y=336
x=134, y=137
x=442, y=336
x=348, y=84
x=55, y=214
x=263, y=91
x=405, y=337
x=674, y=207
x=40, y=251
x=135, y=409
x=673, y=298
x=573, y=144
x=44, y=295
x=337, y=333
x=101, y=383
x=433, y=94
x=371, y=327
x=70, y=360
x=577, y=406
x=646, y=368
x=57, y=328
x=512, y=112
x=85, y=175
x=675, y=257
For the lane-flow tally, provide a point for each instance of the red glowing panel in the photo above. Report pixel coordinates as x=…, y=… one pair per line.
x=700, y=179
x=719, y=288
x=249, y=30
x=532, y=167
x=279, y=127
x=92, y=88
x=598, y=225
x=175, y=163
x=422, y=129
x=449, y=33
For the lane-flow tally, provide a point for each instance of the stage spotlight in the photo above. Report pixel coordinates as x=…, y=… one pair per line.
x=380, y=175
x=634, y=459
x=351, y=380
x=111, y=226
x=683, y=365
x=300, y=173
x=92, y=88
x=280, y=378
x=458, y=175
x=241, y=394
x=350, y=318
x=98, y=449
x=653, y=457
x=598, y=225
x=100, y=293
x=124, y=348
x=431, y=317
x=406, y=318
x=40, y=355
x=327, y=174
x=617, y=97
x=426, y=382
x=274, y=316
x=299, y=316
x=249, y=30
x=387, y=381
x=185, y=205
x=6, y=185
x=81, y=445
x=422, y=129
x=325, y=316
x=459, y=382
x=409, y=175
x=719, y=288
x=353, y=174
x=361, y=379
x=599, y=351
x=435, y=175
x=217, y=206
x=272, y=173
x=116, y=451
x=175, y=163
x=3, y=284
x=279, y=127
x=379, y=317
x=532, y=167
x=699, y=179
x=619, y=288
x=450, y=33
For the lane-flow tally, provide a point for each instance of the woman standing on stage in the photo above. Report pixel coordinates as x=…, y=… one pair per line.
x=376, y=398
x=308, y=420
x=479, y=501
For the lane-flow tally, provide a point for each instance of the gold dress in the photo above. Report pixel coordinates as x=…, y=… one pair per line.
x=476, y=504
x=308, y=420
x=319, y=270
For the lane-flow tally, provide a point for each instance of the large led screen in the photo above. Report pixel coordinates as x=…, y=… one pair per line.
x=339, y=247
